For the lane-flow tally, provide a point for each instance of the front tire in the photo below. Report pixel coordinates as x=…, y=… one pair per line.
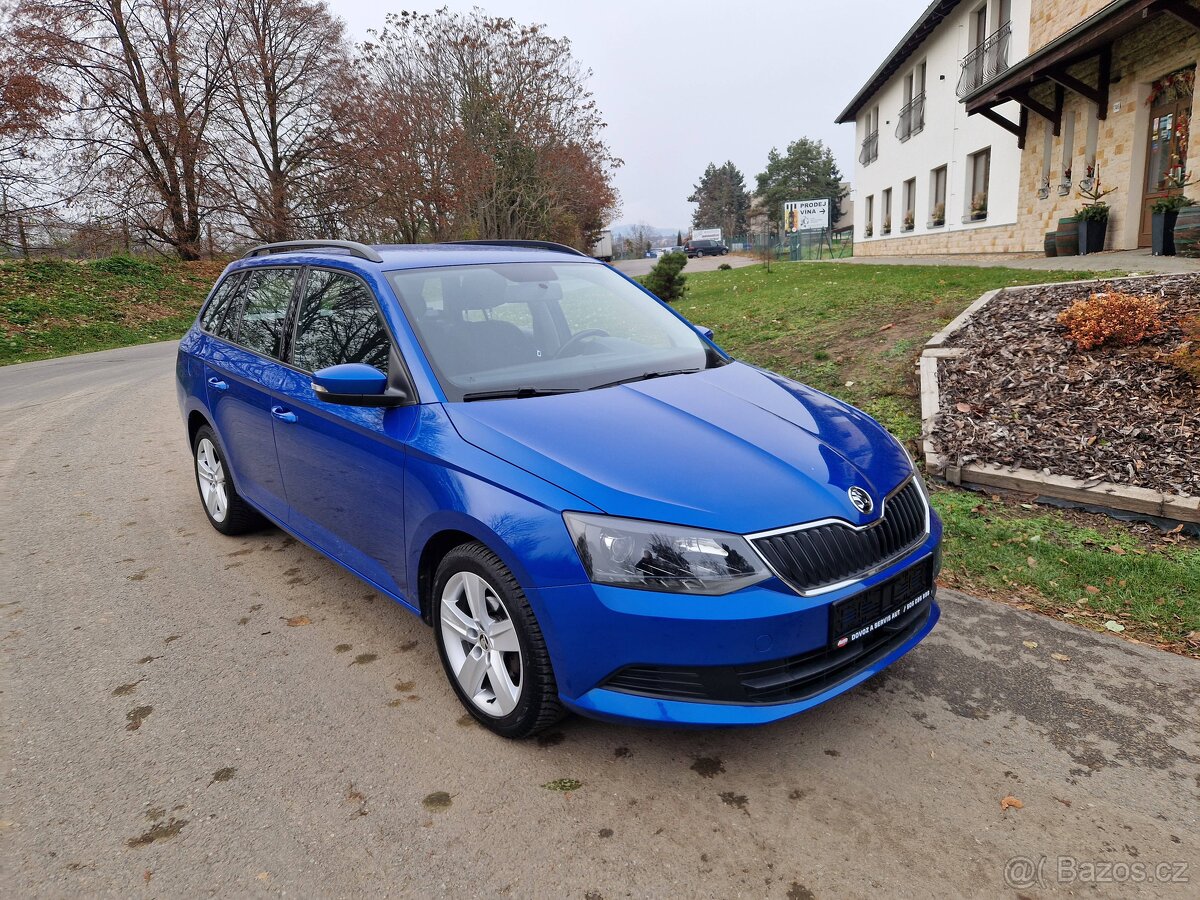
x=226, y=510
x=491, y=646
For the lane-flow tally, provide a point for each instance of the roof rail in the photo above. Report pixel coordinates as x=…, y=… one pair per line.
x=354, y=248
x=533, y=245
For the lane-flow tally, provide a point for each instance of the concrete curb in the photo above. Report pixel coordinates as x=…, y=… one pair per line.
x=1102, y=495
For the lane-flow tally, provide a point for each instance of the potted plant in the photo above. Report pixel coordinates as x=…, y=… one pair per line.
x=979, y=206
x=1093, y=217
x=1165, y=213
x=1043, y=190
x=1093, y=226
x=869, y=230
x=1163, y=216
x=909, y=221
x=939, y=215
x=887, y=225
x=1064, y=186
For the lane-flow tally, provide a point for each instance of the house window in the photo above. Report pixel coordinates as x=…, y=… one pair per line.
x=911, y=119
x=868, y=226
x=979, y=170
x=887, y=212
x=979, y=27
x=870, y=144
x=910, y=205
x=1068, y=153
x=937, y=197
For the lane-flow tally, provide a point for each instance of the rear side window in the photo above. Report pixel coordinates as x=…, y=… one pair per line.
x=220, y=315
x=338, y=323
x=268, y=293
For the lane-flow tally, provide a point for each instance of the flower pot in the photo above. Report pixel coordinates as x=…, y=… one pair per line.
x=1187, y=231
x=1066, y=239
x=1091, y=235
x=1162, y=233
x=1049, y=244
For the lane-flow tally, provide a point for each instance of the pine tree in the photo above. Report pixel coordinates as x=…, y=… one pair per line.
x=806, y=172
x=721, y=200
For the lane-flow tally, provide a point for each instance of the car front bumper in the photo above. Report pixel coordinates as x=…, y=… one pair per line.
x=755, y=656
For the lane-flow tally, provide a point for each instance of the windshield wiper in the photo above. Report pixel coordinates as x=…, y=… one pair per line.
x=645, y=376
x=519, y=393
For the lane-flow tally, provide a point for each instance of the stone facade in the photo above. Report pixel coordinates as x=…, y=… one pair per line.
x=1050, y=18
x=1163, y=45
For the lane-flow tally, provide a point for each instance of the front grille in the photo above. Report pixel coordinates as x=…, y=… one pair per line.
x=812, y=558
x=783, y=680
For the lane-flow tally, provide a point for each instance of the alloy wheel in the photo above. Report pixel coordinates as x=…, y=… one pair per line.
x=481, y=644
x=211, y=475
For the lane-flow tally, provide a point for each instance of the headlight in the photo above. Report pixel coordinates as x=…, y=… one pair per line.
x=657, y=557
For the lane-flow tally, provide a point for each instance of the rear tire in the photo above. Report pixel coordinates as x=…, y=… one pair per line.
x=491, y=646
x=226, y=510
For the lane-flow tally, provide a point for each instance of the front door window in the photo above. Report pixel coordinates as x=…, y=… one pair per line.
x=1167, y=141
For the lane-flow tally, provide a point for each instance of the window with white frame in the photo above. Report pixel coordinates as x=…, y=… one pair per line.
x=886, y=227
x=937, y=197
x=979, y=170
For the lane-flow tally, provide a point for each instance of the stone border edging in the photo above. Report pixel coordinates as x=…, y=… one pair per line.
x=1101, y=494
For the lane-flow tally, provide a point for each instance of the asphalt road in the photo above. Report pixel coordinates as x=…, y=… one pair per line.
x=166, y=733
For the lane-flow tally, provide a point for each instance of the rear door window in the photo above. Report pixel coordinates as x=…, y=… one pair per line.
x=220, y=315
x=338, y=323
x=268, y=294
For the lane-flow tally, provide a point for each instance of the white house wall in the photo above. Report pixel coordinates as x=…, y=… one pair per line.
x=948, y=138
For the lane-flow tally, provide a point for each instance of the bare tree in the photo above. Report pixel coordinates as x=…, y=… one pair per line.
x=500, y=136
x=143, y=78
x=289, y=74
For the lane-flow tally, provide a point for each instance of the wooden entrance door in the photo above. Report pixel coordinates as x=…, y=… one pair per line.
x=1166, y=146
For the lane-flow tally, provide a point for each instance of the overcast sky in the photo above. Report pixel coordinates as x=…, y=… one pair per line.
x=685, y=84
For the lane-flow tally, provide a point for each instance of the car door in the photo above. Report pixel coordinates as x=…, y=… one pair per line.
x=343, y=466
x=245, y=378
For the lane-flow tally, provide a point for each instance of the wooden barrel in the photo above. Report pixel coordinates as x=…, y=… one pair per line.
x=1187, y=232
x=1066, y=239
x=1050, y=244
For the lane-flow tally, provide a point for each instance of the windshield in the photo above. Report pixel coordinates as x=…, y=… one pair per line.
x=528, y=328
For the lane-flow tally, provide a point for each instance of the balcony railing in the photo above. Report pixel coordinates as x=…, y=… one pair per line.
x=986, y=61
x=912, y=117
x=870, y=149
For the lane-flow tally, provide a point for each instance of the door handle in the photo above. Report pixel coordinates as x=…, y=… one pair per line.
x=217, y=383
x=283, y=414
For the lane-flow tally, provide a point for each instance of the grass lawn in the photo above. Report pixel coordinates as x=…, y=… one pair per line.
x=54, y=307
x=855, y=331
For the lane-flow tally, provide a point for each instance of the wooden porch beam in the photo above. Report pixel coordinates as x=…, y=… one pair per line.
x=1071, y=83
x=1023, y=125
x=1183, y=12
x=1021, y=95
x=1007, y=124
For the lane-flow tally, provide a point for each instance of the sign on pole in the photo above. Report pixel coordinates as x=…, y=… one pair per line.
x=805, y=215
x=706, y=234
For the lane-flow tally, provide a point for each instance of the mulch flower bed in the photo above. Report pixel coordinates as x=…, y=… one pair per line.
x=1024, y=396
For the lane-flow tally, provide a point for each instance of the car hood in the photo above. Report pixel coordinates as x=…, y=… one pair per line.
x=732, y=448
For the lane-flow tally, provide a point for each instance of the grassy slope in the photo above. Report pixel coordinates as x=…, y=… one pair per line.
x=52, y=308
x=855, y=331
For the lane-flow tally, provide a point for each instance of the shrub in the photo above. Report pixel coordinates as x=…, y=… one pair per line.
x=665, y=280
x=1093, y=212
x=724, y=267
x=1173, y=203
x=1113, y=318
x=1186, y=357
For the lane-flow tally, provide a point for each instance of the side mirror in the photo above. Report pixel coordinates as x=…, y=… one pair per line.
x=706, y=333
x=355, y=384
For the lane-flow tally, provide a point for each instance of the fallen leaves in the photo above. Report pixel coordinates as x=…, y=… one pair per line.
x=1112, y=625
x=297, y=621
x=1030, y=645
x=1011, y=802
x=1061, y=657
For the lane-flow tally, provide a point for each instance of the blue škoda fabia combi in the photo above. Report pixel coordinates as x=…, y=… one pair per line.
x=593, y=505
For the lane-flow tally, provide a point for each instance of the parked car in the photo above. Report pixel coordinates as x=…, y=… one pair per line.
x=594, y=507
x=705, y=248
